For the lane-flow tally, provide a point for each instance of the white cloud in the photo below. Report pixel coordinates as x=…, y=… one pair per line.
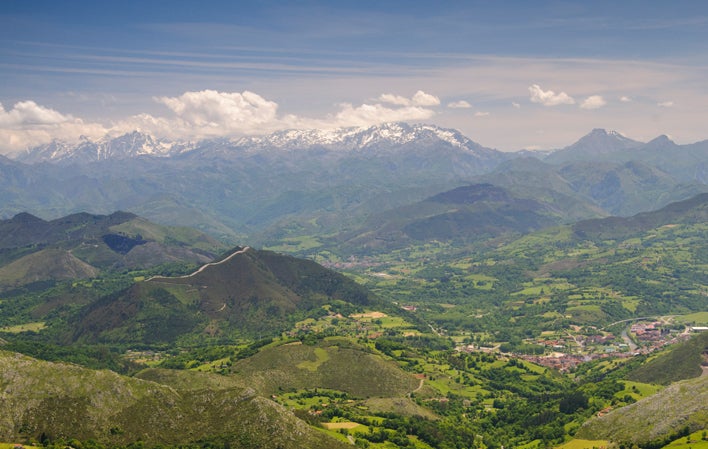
x=516, y=105
x=229, y=111
x=548, y=98
x=420, y=98
x=201, y=114
x=593, y=102
x=394, y=99
x=665, y=104
x=481, y=114
x=461, y=104
x=625, y=99
x=29, y=113
x=372, y=114
x=28, y=124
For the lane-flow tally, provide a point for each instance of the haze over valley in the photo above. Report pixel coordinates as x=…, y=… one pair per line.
x=383, y=225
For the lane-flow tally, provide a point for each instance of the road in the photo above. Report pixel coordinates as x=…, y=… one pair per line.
x=632, y=346
x=202, y=268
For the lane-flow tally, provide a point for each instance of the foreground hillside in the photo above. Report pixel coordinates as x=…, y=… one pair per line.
x=680, y=408
x=50, y=401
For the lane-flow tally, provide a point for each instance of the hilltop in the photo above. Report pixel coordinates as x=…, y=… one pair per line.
x=249, y=292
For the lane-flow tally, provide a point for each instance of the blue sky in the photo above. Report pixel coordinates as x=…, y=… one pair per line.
x=508, y=74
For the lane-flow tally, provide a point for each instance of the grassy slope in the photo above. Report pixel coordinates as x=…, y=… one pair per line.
x=64, y=400
x=335, y=363
x=45, y=264
x=679, y=363
x=679, y=405
x=253, y=292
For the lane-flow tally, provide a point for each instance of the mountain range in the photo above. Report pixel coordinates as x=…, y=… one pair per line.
x=302, y=182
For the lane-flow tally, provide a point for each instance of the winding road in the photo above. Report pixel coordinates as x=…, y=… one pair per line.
x=202, y=268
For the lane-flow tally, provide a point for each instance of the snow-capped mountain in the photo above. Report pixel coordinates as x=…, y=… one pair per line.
x=390, y=136
x=359, y=138
x=129, y=145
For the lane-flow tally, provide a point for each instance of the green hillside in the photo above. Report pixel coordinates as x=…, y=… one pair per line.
x=336, y=364
x=52, y=401
x=84, y=245
x=658, y=419
x=679, y=363
x=57, y=264
x=466, y=214
x=249, y=293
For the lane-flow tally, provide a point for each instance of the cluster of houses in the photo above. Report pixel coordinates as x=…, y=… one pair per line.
x=566, y=362
x=648, y=331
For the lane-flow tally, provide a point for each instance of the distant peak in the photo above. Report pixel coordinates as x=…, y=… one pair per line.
x=24, y=217
x=662, y=139
x=601, y=132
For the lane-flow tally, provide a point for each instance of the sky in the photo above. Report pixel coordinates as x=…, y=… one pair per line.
x=509, y=75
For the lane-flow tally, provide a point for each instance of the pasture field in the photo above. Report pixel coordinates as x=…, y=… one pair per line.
x=693, y=441
x=584, y=444
x=26, y=327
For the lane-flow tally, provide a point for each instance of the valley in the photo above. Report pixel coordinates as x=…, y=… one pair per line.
x=398, y=286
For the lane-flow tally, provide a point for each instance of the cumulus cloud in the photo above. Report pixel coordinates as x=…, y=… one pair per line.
x=481, y=114
x=202, y=114
x=28, y=124
x=29, y=113
x=593, y=102
x=372, y=114
x=461, y=104
x=625, y=99
x=548, y=97
x=516, y=105
x=420, y=98
x=230, y=110
x=665, y=104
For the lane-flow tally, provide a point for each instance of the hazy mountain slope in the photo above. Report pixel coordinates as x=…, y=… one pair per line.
x=60, y=400
x=692, y=210
x=244, y=185
x=599, y=144
x=250, y=292
x=532, y=178
x=45, y=264
x=626, y=188
x=685, y=163
x=82, y=245
x=468, y=213
x=590, y=189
